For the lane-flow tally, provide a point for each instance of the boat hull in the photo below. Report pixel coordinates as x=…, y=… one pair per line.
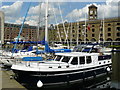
x=59, y=78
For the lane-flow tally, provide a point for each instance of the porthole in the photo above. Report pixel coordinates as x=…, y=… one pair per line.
x=59, y=66
x=50, y=67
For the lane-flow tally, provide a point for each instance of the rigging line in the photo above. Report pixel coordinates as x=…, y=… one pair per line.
x=77, y=31
x=103, y=26
x=71, y=29
x=38, y=32
x=85, y=30
x=63, y=25
x=57, y=25
x=100, y=27
x=21, y=29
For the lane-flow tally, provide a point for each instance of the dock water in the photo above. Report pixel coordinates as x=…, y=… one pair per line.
x=7, y=82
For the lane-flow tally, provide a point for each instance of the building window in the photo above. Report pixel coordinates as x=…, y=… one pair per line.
x=79, y=31
x=118, y=28
x=79, y=40
x=109, y=39
x=118, y=34
x=93, y=30
x=73, y=35
x=95, y=12
x=109, y=29
x=93, y=35
x=91, y=12
x=93, y=25
x=109, y=24
x=91, y=16
x=118, y=23
x=101, y=35
x=73, y=31
x=101, y=29
x=109, y=34
x=86, y=35
x=79, y=35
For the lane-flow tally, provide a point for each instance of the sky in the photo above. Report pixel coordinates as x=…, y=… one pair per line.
x=61, y=11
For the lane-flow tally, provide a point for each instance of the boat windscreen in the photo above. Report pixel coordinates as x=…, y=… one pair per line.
x=66, y=59
x=58, y=58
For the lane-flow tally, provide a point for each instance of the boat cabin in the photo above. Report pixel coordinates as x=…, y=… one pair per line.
x=82, y=59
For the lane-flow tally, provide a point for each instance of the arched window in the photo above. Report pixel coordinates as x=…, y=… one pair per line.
x=62, y=39
x=118, y=28
x=79, y=40
x=93, y=39
x=118, y=34
x=101, y=39
x=109, y=24
x=118, y=39
x=73, y=40
x=109, y=29
x=87, y=40
x=93, y=30
x=68, y=39
x=73, y=31
x=109, y=39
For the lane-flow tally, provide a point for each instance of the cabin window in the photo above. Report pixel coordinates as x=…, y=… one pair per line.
x=66, y=59
x=82, y=60
x=74, y=61
x=104, y=57
x=88, y=59
x=58, y=58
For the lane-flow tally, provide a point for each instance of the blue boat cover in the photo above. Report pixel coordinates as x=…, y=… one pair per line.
x=86, y=50
x=61, y=50
x=32, y=59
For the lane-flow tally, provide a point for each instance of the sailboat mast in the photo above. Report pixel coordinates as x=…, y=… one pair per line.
x=46, y=22
x=103, y=29
x=38, y=32
x=85, y=30
x=77, y=31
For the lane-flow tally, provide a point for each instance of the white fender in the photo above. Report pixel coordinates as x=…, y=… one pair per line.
x=108, y=78
x=39, y=84
x=108, y=69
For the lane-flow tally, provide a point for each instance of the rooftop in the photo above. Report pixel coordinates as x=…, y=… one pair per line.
x=76, y=54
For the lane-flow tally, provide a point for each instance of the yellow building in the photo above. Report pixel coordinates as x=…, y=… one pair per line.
x=107, y=30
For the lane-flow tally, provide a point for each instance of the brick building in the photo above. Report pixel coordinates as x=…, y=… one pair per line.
x=29, y=33
x=100, y=30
